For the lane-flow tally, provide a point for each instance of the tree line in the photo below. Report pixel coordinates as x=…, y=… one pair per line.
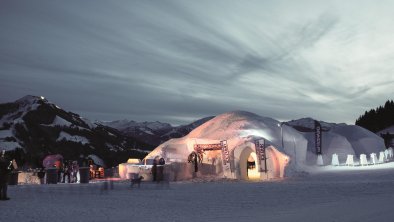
x=378, y=119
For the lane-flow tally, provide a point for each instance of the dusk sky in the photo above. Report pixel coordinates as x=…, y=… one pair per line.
x=178, y=61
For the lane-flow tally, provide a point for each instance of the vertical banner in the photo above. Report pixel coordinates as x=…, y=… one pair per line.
x=318, y=138
x=260, y=154
x=225, y=156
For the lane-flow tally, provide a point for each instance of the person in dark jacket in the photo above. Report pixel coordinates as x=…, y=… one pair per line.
x=67, y=172
x=5, y=169
x=160, y=170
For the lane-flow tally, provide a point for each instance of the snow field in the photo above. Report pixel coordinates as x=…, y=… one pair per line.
x=332, y=195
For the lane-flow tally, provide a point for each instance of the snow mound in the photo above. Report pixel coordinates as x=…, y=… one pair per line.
x=341, y=139
x=331, y=143
x=362, y=140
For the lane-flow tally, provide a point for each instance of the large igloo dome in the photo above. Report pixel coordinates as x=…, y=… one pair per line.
x=243, y=145
x=241, y=130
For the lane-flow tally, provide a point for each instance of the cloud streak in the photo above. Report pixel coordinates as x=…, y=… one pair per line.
x=177, y=61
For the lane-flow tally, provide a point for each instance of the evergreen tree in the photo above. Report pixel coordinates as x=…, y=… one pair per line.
x=379, y=118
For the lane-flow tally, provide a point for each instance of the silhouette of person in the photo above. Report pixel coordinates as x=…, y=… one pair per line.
x=5, y=169
x=160, y=170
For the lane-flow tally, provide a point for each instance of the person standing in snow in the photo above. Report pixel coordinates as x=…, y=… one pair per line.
x=66, y=172
x=5, y=169
x=75, y=169
x=160, y=170
x=59, y=166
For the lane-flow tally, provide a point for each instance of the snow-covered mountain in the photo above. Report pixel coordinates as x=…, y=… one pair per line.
x=154, y=133
x=33, y=127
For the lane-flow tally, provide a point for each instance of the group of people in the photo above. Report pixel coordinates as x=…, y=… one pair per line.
x=68, y=170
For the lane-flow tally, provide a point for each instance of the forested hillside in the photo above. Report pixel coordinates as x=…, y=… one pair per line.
x=379, y=118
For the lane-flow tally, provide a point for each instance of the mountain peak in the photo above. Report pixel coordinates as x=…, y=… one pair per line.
x=31, y=98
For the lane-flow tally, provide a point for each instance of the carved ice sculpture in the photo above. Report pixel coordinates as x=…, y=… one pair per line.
x=391, y=152
x=363, y=160
x=319, y=160
x=374, y=158
x=334, y=160
x=349, y=160
x=381, y=157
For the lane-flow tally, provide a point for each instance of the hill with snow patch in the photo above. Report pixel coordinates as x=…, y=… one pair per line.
x=32, y=128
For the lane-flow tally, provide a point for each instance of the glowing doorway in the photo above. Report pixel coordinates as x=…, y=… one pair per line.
x=248, y=166
x=253, y=173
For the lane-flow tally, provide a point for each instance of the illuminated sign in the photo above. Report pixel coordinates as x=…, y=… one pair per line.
x=207, y=147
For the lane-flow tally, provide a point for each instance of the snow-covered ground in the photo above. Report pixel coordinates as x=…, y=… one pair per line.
x=330, y=194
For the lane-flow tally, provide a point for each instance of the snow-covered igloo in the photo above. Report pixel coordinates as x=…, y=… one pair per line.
x=288, y=149
x=340, y=139
x=239, y=130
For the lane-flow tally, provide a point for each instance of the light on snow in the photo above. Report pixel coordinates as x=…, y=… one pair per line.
x=256, y=133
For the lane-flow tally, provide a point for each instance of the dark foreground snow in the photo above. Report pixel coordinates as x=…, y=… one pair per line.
x=334, y=195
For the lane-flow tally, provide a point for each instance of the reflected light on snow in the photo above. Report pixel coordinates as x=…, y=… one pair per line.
x=255, y=133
